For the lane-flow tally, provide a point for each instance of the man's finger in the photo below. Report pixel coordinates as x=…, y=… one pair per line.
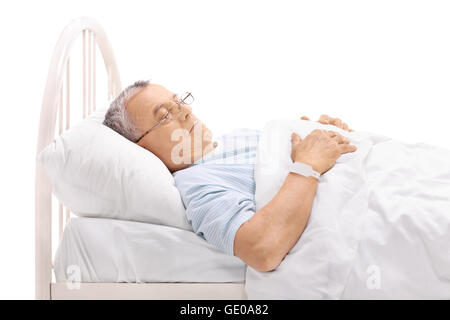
x=295, y=138
x=324, y=119
x=331, y=133
x=337, y=122
x=304, y=118
x=346, y=148
x=341, y=139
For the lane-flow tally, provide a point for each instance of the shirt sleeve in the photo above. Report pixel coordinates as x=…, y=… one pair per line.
x=215, y=211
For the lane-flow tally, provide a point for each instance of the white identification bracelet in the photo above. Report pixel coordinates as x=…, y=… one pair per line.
x=303, y=169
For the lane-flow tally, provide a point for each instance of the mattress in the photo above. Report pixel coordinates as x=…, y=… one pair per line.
x=107, y=250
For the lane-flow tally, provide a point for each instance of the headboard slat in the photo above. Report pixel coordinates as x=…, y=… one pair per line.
x=60, y=220
x=68, y=95
x=94, y=75
x=89, y=78
x=60, y=111
x=67, y=214
x=84, y=74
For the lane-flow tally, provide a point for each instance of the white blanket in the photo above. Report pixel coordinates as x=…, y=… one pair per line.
x=379, y=226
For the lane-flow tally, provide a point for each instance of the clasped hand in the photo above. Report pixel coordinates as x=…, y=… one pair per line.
x=326, y=119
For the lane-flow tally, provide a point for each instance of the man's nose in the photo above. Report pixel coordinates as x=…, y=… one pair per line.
x=185, y=111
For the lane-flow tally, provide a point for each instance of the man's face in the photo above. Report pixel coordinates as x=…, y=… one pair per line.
x=177, y=142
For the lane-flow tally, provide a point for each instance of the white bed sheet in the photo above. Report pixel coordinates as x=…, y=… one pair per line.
x=107, y=250
x=379, y=226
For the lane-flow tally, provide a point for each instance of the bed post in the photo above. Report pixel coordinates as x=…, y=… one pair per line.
x=43, y=235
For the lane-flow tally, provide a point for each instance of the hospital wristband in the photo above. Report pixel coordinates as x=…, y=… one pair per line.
x=303, y=169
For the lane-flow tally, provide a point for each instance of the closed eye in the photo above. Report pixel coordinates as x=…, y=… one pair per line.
x=165, y=117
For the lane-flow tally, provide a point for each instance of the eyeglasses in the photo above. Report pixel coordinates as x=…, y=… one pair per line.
x=185, y=98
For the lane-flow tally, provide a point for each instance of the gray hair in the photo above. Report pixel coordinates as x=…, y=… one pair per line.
x=117, y=116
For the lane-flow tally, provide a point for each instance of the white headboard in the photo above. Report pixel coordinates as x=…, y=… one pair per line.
x=55, y=104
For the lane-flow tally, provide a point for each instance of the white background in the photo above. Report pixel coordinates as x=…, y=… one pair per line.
x=381, y=66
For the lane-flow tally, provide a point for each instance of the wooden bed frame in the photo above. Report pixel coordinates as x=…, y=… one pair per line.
x=53, y=105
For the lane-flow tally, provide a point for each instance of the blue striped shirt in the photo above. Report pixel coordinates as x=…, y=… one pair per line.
x=218, y=190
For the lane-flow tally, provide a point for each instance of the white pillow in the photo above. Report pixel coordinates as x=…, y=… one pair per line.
x=98, y=173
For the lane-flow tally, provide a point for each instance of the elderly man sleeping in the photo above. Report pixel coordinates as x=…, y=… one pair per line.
x=375, y=226
x=215, y=178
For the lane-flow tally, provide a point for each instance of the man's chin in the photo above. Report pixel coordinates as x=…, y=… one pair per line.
x=201, y=142
x=207, y=134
